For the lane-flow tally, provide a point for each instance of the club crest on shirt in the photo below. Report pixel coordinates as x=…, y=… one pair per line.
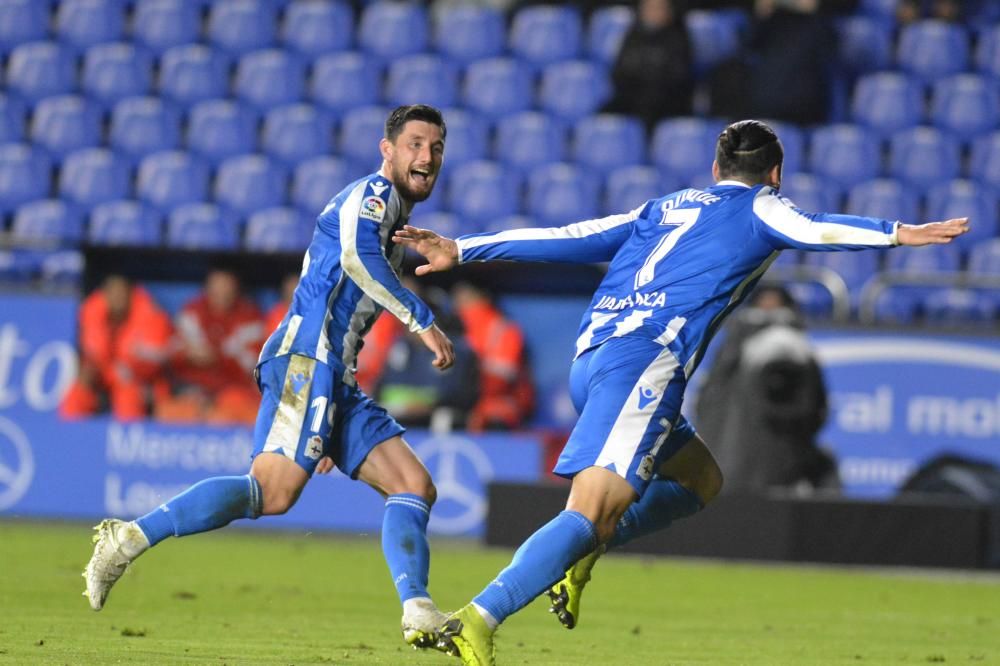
x=372, y=208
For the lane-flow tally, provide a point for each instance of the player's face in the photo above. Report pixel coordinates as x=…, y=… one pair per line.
x=414, y=159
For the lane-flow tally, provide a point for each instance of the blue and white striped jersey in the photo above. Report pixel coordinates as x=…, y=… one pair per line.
x=349, y=275
x=681, y=263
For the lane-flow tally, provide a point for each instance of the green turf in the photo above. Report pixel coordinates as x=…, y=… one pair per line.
x=253, y=598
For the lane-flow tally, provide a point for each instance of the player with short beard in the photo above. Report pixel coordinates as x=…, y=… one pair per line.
x=312, y=413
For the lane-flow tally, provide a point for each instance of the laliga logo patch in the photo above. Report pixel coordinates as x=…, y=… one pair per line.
x=314, y=447
x=645, y=469
x=372, y=208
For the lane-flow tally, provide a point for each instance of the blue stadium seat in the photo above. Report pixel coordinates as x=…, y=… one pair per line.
x=314, y=28
x=465, y=33
x=885, y=198
x=856, y=268
x=84, y=23
x=810, y=193
x=202, y=226
x=932, y=49
x=12, y=119
x=344, y=81
x=959, y=305
x=360, y=132
x=685, y=147
x=171, y=178
x=64, y=123
x=221, y=128
x=988, y=51
x=562, y=194
x=114, y=71
x=47, y=221
x=631, y=186
x=984, y=258
x=497, y=87
x=714, y=35
x=162, y=24
x=269, y=78
x=573, y=89
x=544, y=34
x=40, y=69
x=278, y=229
x=92, y=176
x=391, y=30
x=296, y=132
x=880, y=9
x=445, y=224
x=984, y=160
x=845, y=154
x=468, y=137
x=923, y=156
x=239, y=26
x=193, y=73
x=62, y=267
x=606, y=31
x=899, y=304
x=126, y=222
x=606, y=141
x=316, y=181
x=423, y=79
x=25, y=174
x=887, y=102
x=966, y=198
x=865, y=43
x=966, y=105
x=482, y=191
x=793, y=142
x=529, y=139
x=248, y=183
x=142, y=125
x=22, y=21
x=926, y=259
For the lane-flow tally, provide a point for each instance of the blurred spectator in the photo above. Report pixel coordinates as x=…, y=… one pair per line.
x=786, y=73
x=124, y=340
x=219, y=336
x=415, y=392
x=277, y=312
x=908, y=11
x=652, y=74
x=373, y=355
x=764, y=400
x=506, y=391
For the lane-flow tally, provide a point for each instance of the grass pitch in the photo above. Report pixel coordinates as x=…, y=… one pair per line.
x=242, y=597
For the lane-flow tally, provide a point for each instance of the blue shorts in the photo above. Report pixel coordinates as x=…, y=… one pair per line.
x=628, y=392
x=306, y=412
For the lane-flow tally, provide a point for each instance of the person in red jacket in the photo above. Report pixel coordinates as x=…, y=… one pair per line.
x=124, y=341
x=219, y=335
x=506, y=391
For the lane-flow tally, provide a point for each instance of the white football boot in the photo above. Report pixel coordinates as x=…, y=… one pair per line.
x=421, y=622
x=116, y=544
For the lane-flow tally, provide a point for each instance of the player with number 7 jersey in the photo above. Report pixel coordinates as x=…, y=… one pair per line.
x=678, y=265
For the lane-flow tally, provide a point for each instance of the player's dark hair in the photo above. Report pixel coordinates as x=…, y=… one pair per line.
x=747, y=150
x=403, y=114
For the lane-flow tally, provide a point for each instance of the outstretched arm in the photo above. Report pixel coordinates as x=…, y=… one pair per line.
x=932, y=233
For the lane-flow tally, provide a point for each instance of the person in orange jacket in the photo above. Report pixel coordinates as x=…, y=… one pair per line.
x=506, y=391
x=219, y=336
x=124, y=341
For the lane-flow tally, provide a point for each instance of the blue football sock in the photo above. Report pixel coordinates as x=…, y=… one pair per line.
x=404, y=543
x=538, y=563
x=207, y=505
x=664, y=501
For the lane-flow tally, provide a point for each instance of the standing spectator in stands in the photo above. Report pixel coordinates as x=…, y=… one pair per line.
x=373, y=355
x=277, y=312
x=124, y=341
x=652, y=74
x=219, y=336
x=506, y=392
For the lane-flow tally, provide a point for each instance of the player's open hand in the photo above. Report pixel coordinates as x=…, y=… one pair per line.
x=439, y=344
x=441, y=253
x=932, y=233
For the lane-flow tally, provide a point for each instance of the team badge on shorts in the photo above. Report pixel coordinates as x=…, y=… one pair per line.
x=645, y=469
x=314, y=447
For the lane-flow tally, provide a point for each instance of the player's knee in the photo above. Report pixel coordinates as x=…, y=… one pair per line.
x=278, y=499
x=422, y=485
x=710, y=484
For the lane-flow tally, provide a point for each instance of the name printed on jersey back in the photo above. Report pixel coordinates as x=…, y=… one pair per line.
x=687, y=196
x=652, y=299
